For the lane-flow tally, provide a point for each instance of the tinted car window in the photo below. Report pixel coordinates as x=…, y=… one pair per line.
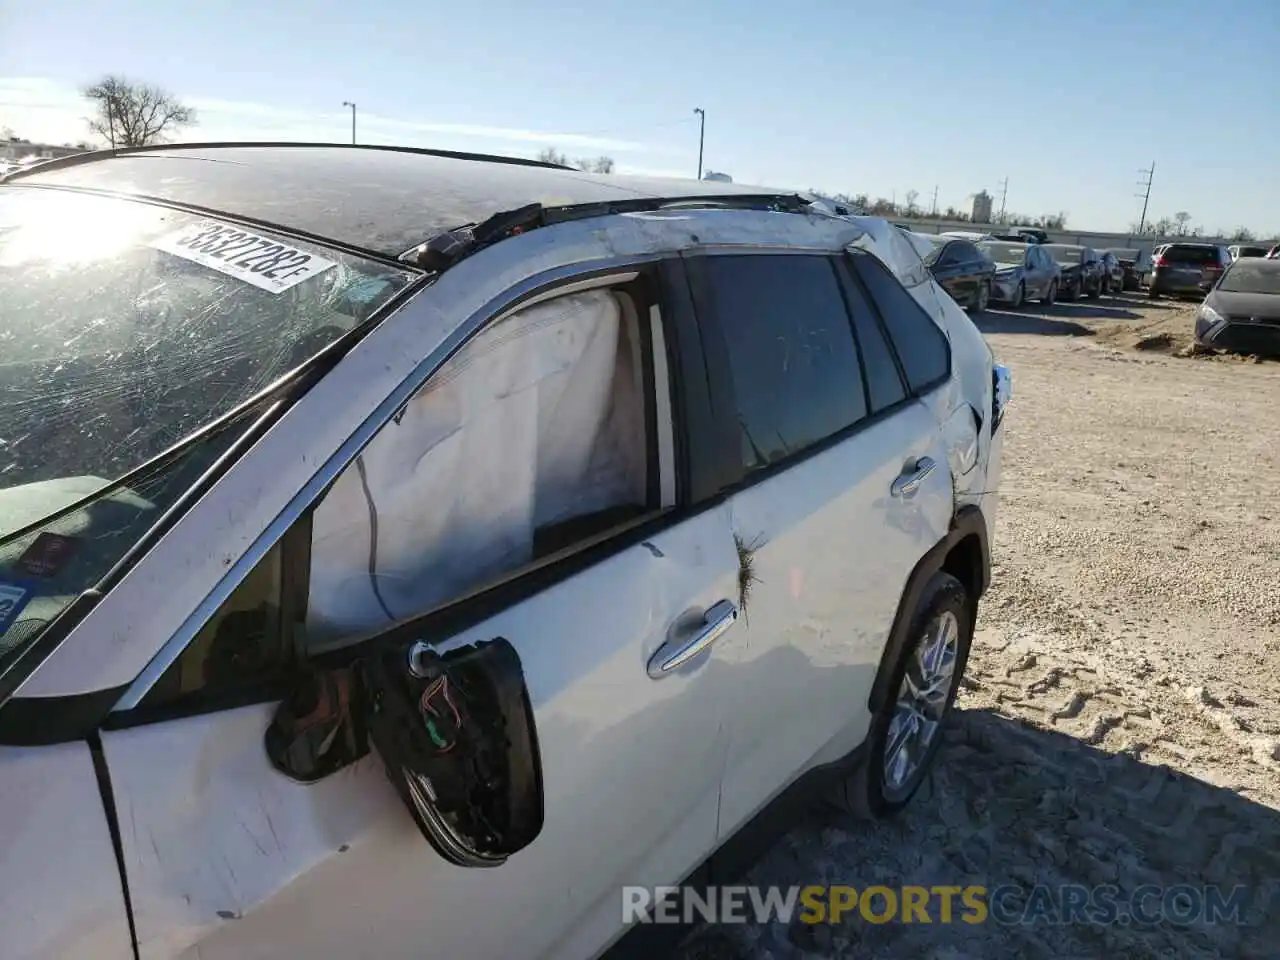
x=921, y=346
x=964, y=252
x=884, y=382
x=791, y=352
x=1188, y=254
x=946, y=256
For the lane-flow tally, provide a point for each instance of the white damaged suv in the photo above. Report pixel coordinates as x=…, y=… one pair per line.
x=402, y=552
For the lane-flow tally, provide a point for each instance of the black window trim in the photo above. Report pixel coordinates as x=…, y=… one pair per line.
x=848, y=277
x=48, y=721
x=859, y=259
x=720, y=375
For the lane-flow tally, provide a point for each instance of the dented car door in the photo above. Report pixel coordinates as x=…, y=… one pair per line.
x=507, y=711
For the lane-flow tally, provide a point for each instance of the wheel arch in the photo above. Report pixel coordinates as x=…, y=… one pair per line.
x=965, y=554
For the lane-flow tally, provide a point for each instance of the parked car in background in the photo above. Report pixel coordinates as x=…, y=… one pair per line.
x=1242, y=311
x=1132, y=263
x=400, y=589
x=961, y=268
x=1274, y=252
x=1186, y=268
x=1023, y=272
x=972, y=236
x=1082, y=269
x=1033, y=234
x=1238, y=250
x=1112, y=272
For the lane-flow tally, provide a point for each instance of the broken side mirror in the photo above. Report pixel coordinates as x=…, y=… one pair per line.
x=454, y=731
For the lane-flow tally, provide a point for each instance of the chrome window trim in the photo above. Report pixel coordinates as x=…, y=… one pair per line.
x=530, y=290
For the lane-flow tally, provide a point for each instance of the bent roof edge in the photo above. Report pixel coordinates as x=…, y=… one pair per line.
x=381, y=198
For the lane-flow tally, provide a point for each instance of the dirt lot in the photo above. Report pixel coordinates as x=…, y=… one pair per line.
x=1121, y=719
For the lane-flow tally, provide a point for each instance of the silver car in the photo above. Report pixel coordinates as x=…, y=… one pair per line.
x=1024, y=272
x=402, y=552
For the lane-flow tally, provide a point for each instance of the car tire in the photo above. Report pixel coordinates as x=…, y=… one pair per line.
x=1153, y=293
x=982, y=298
x=872, y=791
x=1051, y=296
x=1019, y=296
x=1095, y=292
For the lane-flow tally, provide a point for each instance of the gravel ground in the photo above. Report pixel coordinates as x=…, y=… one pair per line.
x=1120, y=722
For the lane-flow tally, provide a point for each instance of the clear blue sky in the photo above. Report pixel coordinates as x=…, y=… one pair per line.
x=1067, y=99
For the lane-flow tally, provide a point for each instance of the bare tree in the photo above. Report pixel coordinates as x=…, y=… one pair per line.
x=1243, y=235
x=134, y=114
x=1182, y=218
x=551, y=155
x=598, y=165
x=912, y=196
x=7, y=134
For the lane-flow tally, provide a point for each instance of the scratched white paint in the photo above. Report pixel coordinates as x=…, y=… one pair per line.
x=229, y=860
x=832, y=517
x=60, y=894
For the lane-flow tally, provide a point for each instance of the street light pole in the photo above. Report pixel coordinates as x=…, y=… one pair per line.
x=348, y=103
x=702, y=133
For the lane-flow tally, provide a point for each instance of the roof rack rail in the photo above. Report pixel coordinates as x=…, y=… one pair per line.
x=108, y=153
x=445, y=249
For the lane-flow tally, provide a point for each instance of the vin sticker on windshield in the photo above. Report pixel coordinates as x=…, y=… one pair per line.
x=267, y=264
x=12, y=599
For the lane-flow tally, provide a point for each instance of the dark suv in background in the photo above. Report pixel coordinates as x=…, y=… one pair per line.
x=1186, y=269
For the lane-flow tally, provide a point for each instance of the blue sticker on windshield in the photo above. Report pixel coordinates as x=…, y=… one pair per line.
x=13, y=597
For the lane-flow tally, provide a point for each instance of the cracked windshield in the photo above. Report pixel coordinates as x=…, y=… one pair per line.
x=586, y=481
x=128, y=333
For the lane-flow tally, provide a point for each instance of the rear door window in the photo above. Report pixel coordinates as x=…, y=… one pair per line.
x=791, y=353
x=920, y=343
x=879, y=366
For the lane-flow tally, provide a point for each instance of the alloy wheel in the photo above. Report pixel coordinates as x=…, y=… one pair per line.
x=921, y=705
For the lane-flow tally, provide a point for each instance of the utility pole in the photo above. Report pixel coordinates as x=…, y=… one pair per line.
x=935, y=200
x=348, y=103
x=1004, y=194
x=1150, y=175
x=702, y=133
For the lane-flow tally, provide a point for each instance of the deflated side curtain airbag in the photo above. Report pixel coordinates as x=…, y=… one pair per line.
x=527, y=425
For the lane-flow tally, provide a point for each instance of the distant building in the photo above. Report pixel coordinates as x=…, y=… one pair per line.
x=982, y=207
x=16, y=149
x=718, y=177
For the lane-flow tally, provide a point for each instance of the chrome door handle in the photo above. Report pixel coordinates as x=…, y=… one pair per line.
x=672, y=655
x=908, y=483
